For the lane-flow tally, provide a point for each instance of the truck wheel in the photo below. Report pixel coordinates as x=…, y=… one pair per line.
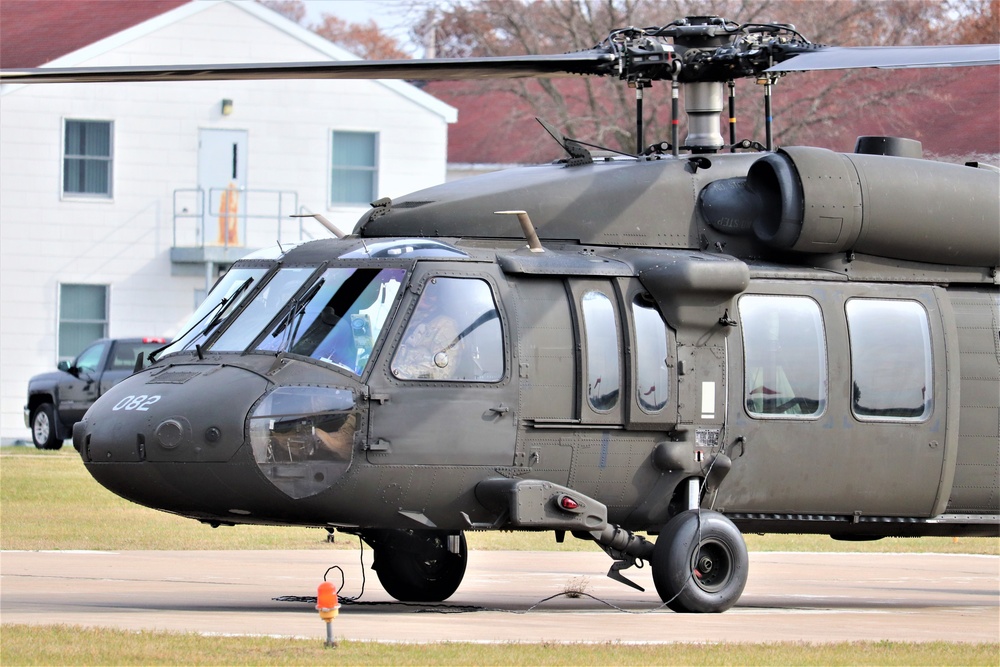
x=43, y=428
x=700, y=562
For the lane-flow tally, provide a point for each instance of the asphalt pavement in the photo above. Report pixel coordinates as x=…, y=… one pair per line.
x=506, y=597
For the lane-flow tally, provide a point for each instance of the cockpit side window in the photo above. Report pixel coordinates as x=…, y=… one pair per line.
x=454, y=334
x=785, y=367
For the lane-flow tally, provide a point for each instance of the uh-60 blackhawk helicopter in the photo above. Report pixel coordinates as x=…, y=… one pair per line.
x=689, y=342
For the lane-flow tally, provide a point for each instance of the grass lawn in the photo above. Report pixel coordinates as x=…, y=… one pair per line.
x=64, y=645
x=49, y=501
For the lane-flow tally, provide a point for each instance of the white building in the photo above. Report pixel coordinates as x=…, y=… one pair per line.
x=110, y=194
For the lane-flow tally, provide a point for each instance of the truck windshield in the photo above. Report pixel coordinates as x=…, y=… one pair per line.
x=339, y=318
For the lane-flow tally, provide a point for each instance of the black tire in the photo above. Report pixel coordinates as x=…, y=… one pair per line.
x=700, y=563
x=413, y=577
x=43, y=427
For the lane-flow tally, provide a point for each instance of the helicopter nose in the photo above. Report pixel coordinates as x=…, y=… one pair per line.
x=181, y=414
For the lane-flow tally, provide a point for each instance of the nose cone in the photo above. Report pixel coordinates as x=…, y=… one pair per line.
x=220, y=443
x=178, y=414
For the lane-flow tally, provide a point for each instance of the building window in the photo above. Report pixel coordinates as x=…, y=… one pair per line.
x=603, y=355
x=83, y=317
x=87, y=158
x=651, y=374
x=454, y=333
x=354, y=172
x=785, y=368
x=890, y=359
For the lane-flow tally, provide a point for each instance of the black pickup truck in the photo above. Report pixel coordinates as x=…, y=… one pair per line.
x=57, y=400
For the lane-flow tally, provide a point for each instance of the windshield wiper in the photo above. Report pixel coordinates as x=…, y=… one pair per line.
x=222, y=312
x=295, y=309
x=218, y=309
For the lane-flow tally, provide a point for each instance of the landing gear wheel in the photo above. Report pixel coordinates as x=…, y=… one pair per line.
x=420, y=568
x=43, y=428
x=700, y=563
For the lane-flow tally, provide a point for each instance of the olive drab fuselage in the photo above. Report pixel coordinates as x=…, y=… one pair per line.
x=809, y=373
x=689, y=347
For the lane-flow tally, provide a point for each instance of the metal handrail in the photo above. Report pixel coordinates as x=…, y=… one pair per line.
x=203, y=200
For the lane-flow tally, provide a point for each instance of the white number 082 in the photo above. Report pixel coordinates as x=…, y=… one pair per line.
x=140, y=402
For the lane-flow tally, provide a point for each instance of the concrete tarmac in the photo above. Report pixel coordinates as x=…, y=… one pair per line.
x=807, y=597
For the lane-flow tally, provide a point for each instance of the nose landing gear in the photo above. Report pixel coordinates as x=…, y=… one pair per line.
x=418, y=566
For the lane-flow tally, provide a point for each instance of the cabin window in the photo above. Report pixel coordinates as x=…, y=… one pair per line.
x=454, y=334
x=652, y=377
x=890, y=359
x=83, y=317
x=785, y=368
x=354, y=171
x=603, y=353
x=87, y=158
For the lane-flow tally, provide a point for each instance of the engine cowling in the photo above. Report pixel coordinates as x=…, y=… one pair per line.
x=815, y=200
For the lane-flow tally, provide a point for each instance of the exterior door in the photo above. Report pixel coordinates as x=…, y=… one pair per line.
x=222, y=170
x=441, y=392
x=839, y=402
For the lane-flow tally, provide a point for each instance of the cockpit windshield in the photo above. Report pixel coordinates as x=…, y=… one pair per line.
x=217, y=306
x=334, y=317
x=266, y=304
x=338, y=319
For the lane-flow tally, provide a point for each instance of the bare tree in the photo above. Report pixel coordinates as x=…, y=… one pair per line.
x=363, y=39
x=294, y=10
x=973, y=22
x=366, y=40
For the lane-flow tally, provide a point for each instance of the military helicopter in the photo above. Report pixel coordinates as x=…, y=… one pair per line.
x=702, y=339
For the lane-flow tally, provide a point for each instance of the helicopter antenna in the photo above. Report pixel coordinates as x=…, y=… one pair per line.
x=527, y=227
x=577, y=153
x=577, y=148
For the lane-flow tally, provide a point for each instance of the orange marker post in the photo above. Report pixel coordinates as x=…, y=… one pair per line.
x=328, y=605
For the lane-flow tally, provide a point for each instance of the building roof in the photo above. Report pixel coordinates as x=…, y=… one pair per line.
x=35, y=32
x=65, y=33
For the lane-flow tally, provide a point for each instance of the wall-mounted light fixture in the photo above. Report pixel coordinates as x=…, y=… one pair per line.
x=227, y=107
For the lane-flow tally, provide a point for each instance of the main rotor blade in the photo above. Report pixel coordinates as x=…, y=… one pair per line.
x=851, y=57
x=508, y=67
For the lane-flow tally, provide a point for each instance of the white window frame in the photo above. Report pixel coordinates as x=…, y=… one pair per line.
x=105, y=322
x=374, y=169
x=85, y=196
